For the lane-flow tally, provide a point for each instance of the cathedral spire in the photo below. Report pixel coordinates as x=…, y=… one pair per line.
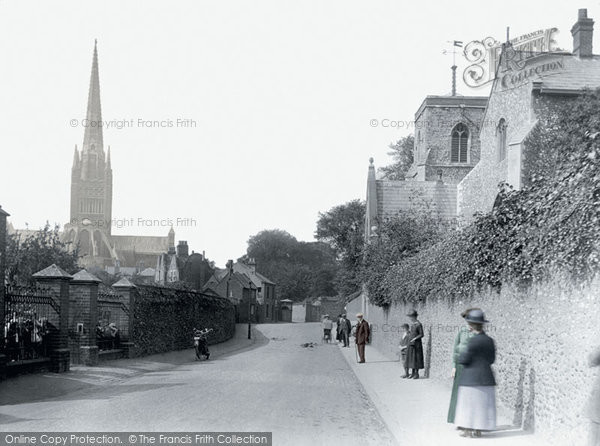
x=76, y=157
x=93, y=129
x=108, y=166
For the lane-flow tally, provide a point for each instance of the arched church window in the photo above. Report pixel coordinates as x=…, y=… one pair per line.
x=460, y=144
x=501, y=139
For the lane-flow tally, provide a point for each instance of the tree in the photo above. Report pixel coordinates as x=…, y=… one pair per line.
x=399, y=239
x=402, y=154
x=26, y=256
x=342, y=227
x=299, y=269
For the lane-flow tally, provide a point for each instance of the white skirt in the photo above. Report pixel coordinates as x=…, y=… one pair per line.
x=476, y=408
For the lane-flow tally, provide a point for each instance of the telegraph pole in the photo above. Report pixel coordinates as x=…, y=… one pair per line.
x=249, y=309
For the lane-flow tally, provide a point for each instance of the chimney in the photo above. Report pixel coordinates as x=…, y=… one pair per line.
x=252, y=264
x=182, y=249
x=583, y=32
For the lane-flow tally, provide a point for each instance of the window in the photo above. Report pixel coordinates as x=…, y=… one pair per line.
x=460, y=144
x=501, y=138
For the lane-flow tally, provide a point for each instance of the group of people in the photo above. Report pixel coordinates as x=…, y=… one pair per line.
x=343, y=329
x=25, y=336
x=473, y=398
x=411, y=346
x=108, y=336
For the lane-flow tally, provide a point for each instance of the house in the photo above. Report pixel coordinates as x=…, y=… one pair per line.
x=522, y=94
x=177, y=265
x=266, y=293
x=240, y=290
x=239, y=280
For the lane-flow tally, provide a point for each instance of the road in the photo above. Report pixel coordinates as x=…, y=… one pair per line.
x=304, y=395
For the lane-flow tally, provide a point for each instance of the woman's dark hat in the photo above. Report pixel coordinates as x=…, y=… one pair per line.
x=476, y=317
x=412, y=313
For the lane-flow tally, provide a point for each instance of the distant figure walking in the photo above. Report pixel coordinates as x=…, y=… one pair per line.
x=476, y=400
x=327, y=326
x=345, y=329
x=362, y=337
x=594, y=403
x=414, y=354
x=460, y=345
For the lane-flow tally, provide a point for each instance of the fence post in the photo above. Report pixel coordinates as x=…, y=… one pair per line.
x=57, y=280
x=3, y=359
x=84, y=313
x=129, y=293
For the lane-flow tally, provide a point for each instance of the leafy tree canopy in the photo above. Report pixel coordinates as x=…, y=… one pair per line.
x=30, y=254
x=402, y=155
x=300, y=269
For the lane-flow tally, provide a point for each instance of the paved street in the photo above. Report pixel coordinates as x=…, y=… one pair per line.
x=303, y=395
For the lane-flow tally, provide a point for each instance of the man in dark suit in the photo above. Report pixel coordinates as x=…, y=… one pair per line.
x=345, y=329
x=362, y=336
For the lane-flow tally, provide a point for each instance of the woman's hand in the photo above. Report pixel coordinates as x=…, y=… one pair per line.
x=453, y=372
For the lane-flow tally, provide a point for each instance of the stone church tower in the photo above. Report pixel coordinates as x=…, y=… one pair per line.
x=91, y=185
x=91, y=202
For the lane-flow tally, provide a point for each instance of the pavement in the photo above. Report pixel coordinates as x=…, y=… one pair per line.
x=415, y=411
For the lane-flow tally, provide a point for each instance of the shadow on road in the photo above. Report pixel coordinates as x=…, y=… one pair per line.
x=112, y=376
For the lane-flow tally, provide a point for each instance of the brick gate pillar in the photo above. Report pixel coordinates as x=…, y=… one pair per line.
x=57, y=280
x=3, y=216
x=84, y=317
x=129, y=292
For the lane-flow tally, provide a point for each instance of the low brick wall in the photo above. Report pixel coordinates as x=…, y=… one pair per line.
x=164, y=319
x=543, y=337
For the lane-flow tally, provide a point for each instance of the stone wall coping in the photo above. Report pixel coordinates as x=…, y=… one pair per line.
x=52, y=272
x=85, y=277
x=124, y=283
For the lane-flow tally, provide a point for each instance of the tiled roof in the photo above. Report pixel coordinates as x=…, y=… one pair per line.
x=578, y=73
x=256, y=277
x=150, y=272
x=141, y=243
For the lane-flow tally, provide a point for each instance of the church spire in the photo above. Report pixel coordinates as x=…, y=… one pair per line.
x=93, y=129
x=108, y=166
x=76, y=157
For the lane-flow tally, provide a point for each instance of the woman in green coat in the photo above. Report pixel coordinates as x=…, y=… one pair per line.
x=460, y=344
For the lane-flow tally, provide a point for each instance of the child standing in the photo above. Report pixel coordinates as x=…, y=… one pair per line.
x=404, y=341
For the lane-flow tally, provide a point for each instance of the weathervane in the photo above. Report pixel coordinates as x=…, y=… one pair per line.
x=455, y=44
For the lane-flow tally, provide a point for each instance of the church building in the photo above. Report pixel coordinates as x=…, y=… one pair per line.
x=90, y=225
x=465, y=146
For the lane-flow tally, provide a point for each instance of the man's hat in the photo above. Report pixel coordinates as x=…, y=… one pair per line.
x=412, y=313
x=476, y=317
x=359, y=315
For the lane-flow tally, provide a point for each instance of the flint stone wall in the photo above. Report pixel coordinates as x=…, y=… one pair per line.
x=543, y=337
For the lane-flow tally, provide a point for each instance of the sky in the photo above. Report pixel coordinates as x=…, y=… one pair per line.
x=279, y=98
